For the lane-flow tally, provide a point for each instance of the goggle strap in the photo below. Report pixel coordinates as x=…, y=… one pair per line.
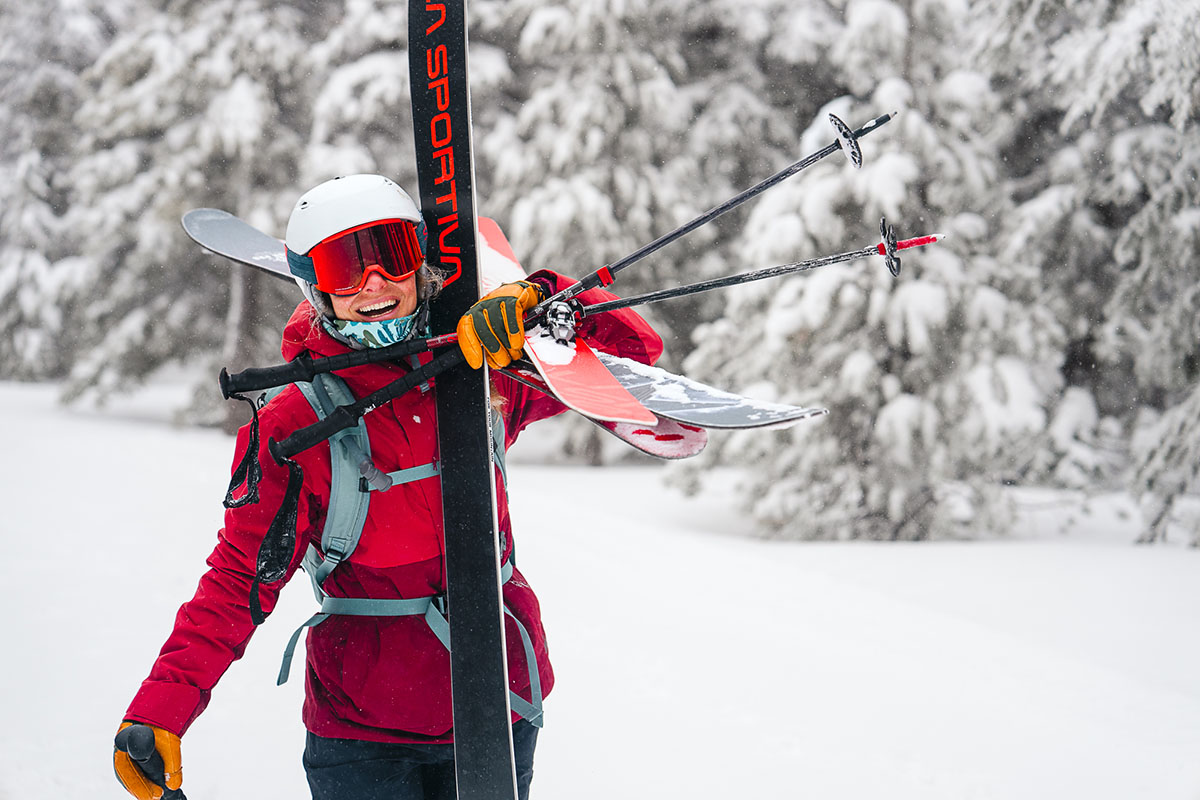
x=302, y=267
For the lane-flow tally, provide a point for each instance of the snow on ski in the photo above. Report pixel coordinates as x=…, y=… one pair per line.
x=693, y=403
x=666, y=439
x=577, y=377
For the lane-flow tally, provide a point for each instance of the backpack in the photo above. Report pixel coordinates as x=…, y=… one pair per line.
x=353, y=478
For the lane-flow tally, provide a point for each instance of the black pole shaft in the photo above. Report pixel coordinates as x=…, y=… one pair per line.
x=305, y=367
x=347, y=416
x=730, y=280
x=599, y=277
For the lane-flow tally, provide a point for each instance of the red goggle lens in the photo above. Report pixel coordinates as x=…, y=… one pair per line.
x=343, y=263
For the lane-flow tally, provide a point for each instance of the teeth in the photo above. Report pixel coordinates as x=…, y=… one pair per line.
x=381, y=306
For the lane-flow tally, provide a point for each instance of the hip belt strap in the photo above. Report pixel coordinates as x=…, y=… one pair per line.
x=432, y=609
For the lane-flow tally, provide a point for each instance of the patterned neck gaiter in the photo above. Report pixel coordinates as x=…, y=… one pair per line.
x=380, y=333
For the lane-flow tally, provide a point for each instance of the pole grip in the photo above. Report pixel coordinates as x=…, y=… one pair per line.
x=138, y=742
x=305, y=367
x=257, y=378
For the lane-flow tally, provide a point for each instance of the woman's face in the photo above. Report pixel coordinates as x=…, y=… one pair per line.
x=379, y=298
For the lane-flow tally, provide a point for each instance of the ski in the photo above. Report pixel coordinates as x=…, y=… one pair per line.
x=231, y=237
x=666, y=438
x=572, y=372
x=577, y=377
x=690, y=402
x=441, y=111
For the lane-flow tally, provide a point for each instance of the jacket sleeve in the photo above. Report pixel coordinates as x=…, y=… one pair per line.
x=622, y=332
x=213, y=628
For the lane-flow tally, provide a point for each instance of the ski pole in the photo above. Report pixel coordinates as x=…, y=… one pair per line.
x=886, y=249
x=138, y=742
x=847, y=141
x=305, y=367
x=347, y=416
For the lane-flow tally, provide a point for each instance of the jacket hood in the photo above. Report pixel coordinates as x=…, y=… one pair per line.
x=304, y=332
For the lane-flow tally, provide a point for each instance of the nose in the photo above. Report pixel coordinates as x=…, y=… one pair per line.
x=374, y=281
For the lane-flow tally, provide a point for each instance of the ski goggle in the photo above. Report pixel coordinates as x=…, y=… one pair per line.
x=343, y=263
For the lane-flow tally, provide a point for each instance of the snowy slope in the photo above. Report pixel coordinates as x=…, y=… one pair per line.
x=691, y=663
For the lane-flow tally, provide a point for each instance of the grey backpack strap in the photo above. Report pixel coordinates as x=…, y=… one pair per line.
x=349, y=452
x=354, y=476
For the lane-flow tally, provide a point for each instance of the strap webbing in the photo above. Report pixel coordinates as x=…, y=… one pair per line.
x=347, y=510
x=531, y=709
x=429, y=607
x=286, y=667
x=406, y=475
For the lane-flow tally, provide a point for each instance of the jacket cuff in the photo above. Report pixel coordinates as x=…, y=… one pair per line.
x=170, y=706
x=546, y=281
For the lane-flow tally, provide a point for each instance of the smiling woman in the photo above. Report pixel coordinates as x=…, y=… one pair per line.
x=377, y=707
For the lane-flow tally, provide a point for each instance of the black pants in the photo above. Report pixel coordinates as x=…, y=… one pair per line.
x=339, y=769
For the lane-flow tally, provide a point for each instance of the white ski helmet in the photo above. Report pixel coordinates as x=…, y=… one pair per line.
x=338, y=205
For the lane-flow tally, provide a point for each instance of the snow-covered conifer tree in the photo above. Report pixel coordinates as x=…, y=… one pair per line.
x=634, y=117
x=1109, y=209
x=361, y=117
x=360, y=106
x=940, y=383
x=40, y=87
x=198, y=104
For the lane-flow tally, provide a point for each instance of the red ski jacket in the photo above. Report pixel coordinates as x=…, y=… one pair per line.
x=375, y=678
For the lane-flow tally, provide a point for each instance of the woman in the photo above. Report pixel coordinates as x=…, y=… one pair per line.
x=377, y=689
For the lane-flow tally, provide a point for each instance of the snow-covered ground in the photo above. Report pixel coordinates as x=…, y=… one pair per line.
x=692, y=662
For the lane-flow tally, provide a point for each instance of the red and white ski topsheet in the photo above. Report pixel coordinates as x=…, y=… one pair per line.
x=581, y=382
x=572, y=372
x=497, y=262
x=668, y=439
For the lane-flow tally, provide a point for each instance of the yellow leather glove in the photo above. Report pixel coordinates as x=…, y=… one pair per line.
x=494, y=328
x=144, y=765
